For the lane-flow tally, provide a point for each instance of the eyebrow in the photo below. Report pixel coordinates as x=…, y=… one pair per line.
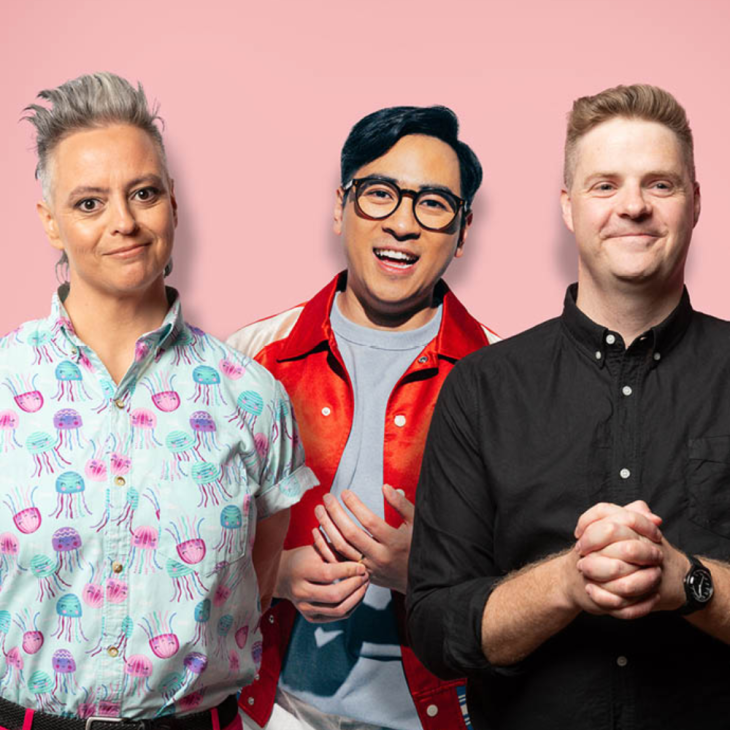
x=673, y=176
x=94, y=190
x=426, y=186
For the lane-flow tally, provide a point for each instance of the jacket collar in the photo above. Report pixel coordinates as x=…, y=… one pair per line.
x=458, y=335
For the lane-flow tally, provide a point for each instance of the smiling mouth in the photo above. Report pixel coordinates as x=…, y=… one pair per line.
x=127, y=249
x=397, y=259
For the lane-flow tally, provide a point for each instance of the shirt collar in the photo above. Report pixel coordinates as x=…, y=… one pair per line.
x=592, y=337
x=458, y=335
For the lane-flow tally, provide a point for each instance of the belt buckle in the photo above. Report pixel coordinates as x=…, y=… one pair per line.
x=100, y=718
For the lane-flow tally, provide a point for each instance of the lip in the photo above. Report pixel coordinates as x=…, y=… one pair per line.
x=392, y=268
x=127, y=251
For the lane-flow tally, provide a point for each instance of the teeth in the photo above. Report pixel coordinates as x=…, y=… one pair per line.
x=384, y=253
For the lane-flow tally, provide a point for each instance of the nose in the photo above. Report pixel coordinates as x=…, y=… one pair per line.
x=402, y=223
x=634, y=202
x=123, y=221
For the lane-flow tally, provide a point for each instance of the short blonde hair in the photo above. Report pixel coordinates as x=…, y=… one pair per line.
x=638, y=101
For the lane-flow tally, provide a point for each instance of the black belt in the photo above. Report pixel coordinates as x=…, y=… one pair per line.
x=12, y=716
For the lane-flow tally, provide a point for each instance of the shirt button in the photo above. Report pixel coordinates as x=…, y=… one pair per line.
x=120, y=481
x=610, y=339
x=119, y=403
x=74, y=351
x=626, y=390
x=598, y=355
x=400, y=420
x=326, y=411
x=432, y=710
x=422, y=359
x=256, y=678
x=657, y=356
x=112, y=651
x=117, y=567
x=625, y=473
x=271, y=618
x=250, y=700
x=622, y=661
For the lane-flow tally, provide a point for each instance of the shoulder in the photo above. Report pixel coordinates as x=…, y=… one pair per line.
x=255, y=337
x=34, y=333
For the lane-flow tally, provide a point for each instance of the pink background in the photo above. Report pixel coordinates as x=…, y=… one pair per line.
x=258, y=98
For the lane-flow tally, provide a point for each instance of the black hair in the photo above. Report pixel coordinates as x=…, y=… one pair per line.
x=376, y=133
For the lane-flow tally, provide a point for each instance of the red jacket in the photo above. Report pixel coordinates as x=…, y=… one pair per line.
x=298, y=347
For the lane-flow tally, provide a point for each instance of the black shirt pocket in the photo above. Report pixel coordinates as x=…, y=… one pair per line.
x=708, y=483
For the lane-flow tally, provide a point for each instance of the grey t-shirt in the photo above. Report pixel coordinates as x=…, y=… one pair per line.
x=357, y=670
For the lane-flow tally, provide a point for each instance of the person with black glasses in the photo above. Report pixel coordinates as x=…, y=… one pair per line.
x=364, y=361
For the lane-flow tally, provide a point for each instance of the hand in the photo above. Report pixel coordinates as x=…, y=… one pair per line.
x=309, y=583
x=382, y=549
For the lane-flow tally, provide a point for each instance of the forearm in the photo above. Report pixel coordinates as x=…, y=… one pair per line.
x=527, y=608
x=270, y=534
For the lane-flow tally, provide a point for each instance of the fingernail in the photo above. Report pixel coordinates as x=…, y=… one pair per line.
x=319, y=511
x=327, y=498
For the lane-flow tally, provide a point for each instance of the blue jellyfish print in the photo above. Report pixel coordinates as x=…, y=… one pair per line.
x=280, y=413
x=44, y=569
x=67, y=543
x=232, y=534
x=68, y=425
x=225, y=623
x=204, y=427
x=69, y=613
x=190, y=546
x=122, y=640
x=181, y=446
x=43, y=347
x=170, y=685
x=43, y=447
x=249, y=406
x=41, y=685
x=4, y=627
x=126, y=513
x=70, y=499
x=9, y=422
x=185, y=580
x=13, y=669
x=202, y=616
x=70, y=382
x=64, y=667
x=208, y=477
x=108, y=390
x=184, y=348
x=207, y=386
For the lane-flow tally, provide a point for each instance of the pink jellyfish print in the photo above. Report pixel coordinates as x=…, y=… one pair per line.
x=232, y=539
x=25, y=394
x=44, y=448
x=11, y=338
x=181, y=446
x=249, y=406
x=141, y=350
x=43, y=347
x=68, y=626
x=87, y=708
x=32, y=637
x=41, y=685
x=68, y=425
x=107, y=704
x=108, y=390
x=195, y=664
x=64, y=667
x=44, y=569
x=120, y=463
x=185, y=580
x=70, y=499
x=9, y=547
x=137, y=673
x=208, y=477
x=231, y=578
x=160, y=634
x=257, y=654
x=142, y=556
x=207, y=386
x=13, y=669
x=93, y=592
x=26, y=516
x=116, y=590
x=191, y=701
x=143, y=428
x=170, y=685
x=70, y=382
x=126, y=513
x=234, y=663
x=190, y=546
x=225, y=623
x=67, y=543
x=231, y=369
x=161, y=389
x=202, y=616
x=8, y=424
x=261, y=444
x=204, y=427
x=95, y=468
x=241, y=636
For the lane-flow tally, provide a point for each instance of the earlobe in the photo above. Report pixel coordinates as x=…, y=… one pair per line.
x=567, y=210
x=462, y=235
x=49, y=225
x=339, y=211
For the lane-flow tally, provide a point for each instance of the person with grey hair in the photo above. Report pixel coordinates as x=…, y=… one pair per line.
x=149, y=468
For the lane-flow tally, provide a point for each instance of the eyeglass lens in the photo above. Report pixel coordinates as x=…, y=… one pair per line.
x=378, y=199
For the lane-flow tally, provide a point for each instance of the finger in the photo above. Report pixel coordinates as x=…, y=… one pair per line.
x=354, y=535
x=602, y=510
x=609, y=601
x=621, y=525
x=638, y=584
x=323, y=613
x=642, y=507
x=597, y=568
x=331, y=594
x=398, y=501
x=375, y=525
x=595, y=513
x=342, y=544
x=639, y=552
x=323, y=547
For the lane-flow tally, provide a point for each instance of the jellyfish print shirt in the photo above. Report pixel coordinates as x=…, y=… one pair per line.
x=127, y=518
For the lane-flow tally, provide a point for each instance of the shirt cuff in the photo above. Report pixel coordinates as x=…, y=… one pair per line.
x=285, y=493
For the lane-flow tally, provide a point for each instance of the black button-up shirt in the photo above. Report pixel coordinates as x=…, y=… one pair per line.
x=526, y=436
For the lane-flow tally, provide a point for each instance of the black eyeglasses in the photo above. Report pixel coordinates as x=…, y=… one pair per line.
x=434, y=209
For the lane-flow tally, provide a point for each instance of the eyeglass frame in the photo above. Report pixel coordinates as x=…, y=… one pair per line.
x=461, y=203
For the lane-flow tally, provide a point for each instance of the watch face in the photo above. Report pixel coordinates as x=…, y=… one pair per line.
x=700, y=583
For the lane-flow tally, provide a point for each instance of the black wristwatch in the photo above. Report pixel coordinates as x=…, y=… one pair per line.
x=698, y=587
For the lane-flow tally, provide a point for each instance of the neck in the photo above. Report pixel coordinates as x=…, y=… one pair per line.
x=629, y=310
x=110, y=324
x=392, y=319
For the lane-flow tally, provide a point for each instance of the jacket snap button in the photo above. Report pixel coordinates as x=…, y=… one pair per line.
x=432, y=710
x=326, y=411
x=400, y=420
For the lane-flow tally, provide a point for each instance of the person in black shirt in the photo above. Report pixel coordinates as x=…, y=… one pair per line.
x=573, y=510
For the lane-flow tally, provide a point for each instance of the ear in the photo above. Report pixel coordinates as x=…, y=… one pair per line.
x=697, y=202
x=49, y=225
x=463, y=234
x=567, y=209
x=339, y=211
x=173, y=201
